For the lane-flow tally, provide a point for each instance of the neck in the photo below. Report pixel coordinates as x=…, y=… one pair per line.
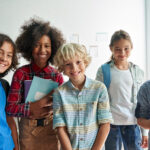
x=79, y=84
x=122, y=65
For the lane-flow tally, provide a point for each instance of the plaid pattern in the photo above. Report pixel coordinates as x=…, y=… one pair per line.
x=16, y=105
x=81, y=111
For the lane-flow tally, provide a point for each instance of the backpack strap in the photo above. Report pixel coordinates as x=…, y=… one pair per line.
x=106, y=74
x=5, y=85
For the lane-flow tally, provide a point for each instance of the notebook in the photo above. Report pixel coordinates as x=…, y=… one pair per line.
x=38, y=88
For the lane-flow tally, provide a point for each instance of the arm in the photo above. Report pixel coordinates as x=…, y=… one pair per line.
x=99, y=75
x=12, y=125
x=64, y=138
x=101, y=136
x=145, y=123
x=16, y=105
x=142, y=112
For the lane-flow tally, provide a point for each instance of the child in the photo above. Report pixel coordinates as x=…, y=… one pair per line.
x=142, y=111
x=123, y=80
x=8, y=61
x=81, y=106
x=38, y=44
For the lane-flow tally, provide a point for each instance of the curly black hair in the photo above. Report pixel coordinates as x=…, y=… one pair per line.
x=13, y=66
x=31, y=33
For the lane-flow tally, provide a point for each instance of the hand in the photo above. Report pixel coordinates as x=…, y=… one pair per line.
x=144, y=142
x=42, y=108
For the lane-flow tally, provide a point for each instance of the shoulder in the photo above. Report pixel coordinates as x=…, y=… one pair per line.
x=95, y=84
x=5, y=85
x=145, y=86
x=4, y=82
x=136, y=67
x=21, y=71
x=54, y=71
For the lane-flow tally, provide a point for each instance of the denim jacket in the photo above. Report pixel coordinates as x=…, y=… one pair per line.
x=138, y=78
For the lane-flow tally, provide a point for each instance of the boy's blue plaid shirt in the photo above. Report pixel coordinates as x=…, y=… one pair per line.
x=81, y=111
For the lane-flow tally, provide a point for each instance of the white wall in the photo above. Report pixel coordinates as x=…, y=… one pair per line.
x=147, y=5
x=83, y=17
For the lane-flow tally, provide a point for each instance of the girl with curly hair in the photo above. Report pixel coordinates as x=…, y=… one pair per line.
x=37, y=43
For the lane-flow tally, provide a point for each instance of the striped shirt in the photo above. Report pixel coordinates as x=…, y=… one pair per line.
x=81, y=111
x=16, y=105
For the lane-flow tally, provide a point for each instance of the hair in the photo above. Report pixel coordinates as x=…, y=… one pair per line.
x=68, y=51
x=13, y=66
x=118, y=35
x=31, y=33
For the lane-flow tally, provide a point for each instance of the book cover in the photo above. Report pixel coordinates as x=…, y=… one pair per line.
x=27, y=84
x=39, y=88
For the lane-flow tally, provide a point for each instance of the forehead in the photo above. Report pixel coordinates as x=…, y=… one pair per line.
x=44, y=39
x=73, y=59
x=122, y=42
x=6, y=47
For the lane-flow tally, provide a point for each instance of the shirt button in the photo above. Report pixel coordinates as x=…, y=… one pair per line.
x=81, y=124
x=81, y=139
x=80, y=109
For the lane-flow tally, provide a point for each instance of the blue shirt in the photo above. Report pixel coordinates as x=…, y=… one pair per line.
x=81, y=111
x=6, y=141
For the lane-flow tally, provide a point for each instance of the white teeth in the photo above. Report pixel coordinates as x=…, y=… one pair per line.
x=2, y=65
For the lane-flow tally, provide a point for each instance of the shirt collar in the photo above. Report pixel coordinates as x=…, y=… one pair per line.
x=36, y=68
x=86, y=84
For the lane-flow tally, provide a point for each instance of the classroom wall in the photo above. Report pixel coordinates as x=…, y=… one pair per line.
x=90, y=22
x=147, y=15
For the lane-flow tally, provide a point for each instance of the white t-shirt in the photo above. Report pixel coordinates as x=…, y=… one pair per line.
x=120, y=92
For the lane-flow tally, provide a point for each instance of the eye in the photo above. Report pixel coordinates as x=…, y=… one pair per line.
x=117, y=49
x=68, y=64
x=9, y=56
x=78, y=62
x=37, y=45
x=126, y=49
x=47, y=46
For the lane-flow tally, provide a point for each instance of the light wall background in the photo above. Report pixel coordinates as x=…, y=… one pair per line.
x=86, y=18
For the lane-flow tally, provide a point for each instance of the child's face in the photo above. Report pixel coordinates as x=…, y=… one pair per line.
x=6, y=54
x=42, y=51
x=121, y=50
x=75, y=69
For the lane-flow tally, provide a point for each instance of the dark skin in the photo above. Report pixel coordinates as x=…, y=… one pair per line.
x=42, y=108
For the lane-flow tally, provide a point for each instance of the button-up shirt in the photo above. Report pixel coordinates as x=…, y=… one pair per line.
x=81, y=111
x=16, y=105
x=137, y=77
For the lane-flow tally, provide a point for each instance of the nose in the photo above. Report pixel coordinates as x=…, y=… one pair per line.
x=3, y=57
x=74, y=67
x=122, y=51
x=42, y=48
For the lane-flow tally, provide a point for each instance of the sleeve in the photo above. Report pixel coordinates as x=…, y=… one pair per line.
x=58, y=113
x=60, y=79
x=143, y=105
x=99, y=75
x=104, y=114
x=15, y=101
x=143, y=102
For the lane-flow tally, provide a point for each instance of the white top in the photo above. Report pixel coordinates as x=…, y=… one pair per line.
x=120, y=92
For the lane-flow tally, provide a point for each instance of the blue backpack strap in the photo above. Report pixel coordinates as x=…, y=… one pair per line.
x=106, y=74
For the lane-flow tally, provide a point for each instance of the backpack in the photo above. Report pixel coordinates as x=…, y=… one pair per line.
x=106, y=74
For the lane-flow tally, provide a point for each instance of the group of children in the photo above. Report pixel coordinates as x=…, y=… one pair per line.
x=82, y=113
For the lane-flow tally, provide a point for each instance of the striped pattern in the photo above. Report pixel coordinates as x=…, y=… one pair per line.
x=81, y=111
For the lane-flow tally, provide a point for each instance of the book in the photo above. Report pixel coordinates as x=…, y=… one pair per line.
x=39, y=88
x=27, y=84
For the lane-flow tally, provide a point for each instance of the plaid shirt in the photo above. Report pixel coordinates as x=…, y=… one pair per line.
x=81, y=111
x=16, y=105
